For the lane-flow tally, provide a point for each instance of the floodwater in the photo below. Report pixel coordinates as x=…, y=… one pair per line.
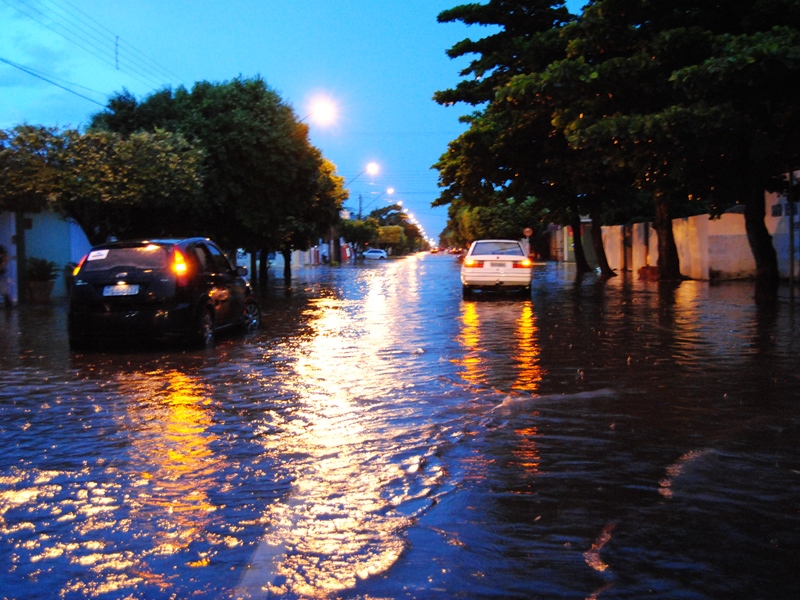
x=380, y=437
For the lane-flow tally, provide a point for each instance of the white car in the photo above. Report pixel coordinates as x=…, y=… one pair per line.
x=497, y=265
x=375, y=254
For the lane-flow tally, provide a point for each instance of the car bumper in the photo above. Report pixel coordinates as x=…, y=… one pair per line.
x=473, y=278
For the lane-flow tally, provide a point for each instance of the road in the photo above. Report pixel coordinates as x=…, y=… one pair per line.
x=380, y=437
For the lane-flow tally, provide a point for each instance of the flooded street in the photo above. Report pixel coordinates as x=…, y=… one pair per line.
x=380, y=437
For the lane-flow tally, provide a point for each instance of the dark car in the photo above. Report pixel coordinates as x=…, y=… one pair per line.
x=159, y=289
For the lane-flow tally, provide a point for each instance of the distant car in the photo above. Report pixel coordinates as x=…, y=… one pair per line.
x=497, y=265
x=164, y=289
x=375, y=254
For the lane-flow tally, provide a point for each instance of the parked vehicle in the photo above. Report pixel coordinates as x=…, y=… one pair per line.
x=163, y=289
x=375, y=254
x=496, y=264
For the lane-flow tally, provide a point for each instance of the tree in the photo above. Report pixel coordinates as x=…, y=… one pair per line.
x=307, y=222
x=512, y=151
x=265, y=186
x=108, y=184
x=359, y=232
x=145, y=185
x=391, y=236
x=28, y=177
x=686, y=102
x=407, y=238
x=690, y=98
x=755, y=141
x=527, y=38
x=29, y=168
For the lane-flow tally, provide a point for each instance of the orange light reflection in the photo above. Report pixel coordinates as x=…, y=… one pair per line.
x=482, y=323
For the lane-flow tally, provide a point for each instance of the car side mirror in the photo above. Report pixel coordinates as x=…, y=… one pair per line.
x=241, y=271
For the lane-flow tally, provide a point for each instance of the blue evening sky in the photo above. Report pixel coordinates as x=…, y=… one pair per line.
x=379, y=62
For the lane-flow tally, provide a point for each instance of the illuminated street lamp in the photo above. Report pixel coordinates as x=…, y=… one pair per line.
x=322, y=109
x=372, y=169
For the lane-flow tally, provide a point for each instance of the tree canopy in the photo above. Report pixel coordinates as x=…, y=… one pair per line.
x=264, y=184
x=29, y=167
x=109, y=184
x=690, y=103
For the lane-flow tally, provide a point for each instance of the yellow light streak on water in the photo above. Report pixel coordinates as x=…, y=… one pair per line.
x=338, y=525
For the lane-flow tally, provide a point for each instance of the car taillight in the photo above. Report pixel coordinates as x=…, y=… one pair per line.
x=526, y=263
x=472, y=263
x=80, y=264
x=179, y=267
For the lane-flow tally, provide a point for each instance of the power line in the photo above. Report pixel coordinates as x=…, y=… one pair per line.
x=133, y=50
x=79, y=29
x=35, y=74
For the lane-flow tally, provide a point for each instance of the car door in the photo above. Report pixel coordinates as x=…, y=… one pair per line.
x=227, y=295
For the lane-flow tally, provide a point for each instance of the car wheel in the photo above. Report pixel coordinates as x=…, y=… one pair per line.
x=204, y=328
x=466, y=292
x=252, y=316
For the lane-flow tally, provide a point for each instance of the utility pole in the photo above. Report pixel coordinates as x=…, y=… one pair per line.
x=360, y=199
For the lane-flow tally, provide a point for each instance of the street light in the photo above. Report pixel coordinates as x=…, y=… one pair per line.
x=322, y=109
x=372, y=169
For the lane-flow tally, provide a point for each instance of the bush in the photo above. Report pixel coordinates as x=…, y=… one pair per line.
x=40, y=269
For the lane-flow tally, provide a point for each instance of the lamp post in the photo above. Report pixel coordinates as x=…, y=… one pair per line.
x=389, y=191
x=372, y=168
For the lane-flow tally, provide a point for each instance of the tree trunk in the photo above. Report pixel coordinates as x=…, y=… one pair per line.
x=336, y=247
x=669, y=265
x=22, y=257
x=287, y=265
x=597, y=244
x=263, y=267
x=580, y=256
x=767, y=274
x=253, y=269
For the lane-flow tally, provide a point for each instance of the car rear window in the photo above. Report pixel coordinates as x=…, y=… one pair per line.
x=139, y=257
x=505, y=248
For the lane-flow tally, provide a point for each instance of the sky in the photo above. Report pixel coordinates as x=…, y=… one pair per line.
x=379, y=62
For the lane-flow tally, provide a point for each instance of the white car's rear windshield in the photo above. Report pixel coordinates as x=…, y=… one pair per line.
x=496, y=247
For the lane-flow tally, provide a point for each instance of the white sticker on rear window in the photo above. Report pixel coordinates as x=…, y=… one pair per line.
x=97, y=255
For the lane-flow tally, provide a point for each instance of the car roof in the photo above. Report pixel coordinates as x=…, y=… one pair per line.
x=492, y=247
x=147, y=241
x=496, y=240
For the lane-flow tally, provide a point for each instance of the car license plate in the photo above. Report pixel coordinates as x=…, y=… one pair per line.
x=499, y=264
x=121, y=290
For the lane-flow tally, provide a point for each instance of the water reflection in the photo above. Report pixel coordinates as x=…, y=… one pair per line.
x=117, y=519
x=499, y=340
x=171, y=457
x=381, y=438
x=352, y=494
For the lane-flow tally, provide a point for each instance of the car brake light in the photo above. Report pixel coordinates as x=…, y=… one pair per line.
x=180, y=267
x=525, y=263
x=78, y=267
x=472, y=263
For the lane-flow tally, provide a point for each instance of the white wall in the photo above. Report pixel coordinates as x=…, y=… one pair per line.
x=51, y=237
x=707, y=249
